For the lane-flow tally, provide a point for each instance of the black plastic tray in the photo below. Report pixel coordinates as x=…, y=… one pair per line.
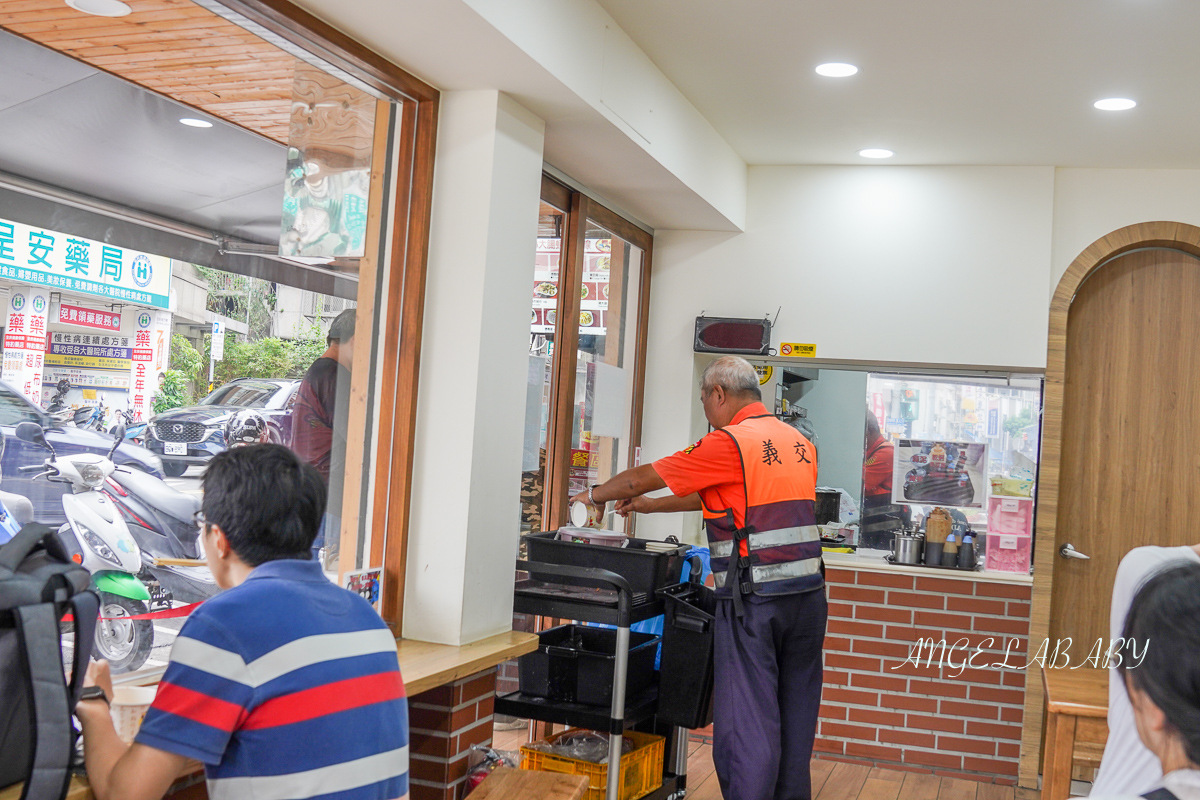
x=583, y=672
x=646, y=570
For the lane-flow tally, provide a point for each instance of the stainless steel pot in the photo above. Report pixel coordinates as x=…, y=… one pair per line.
x=906, y=548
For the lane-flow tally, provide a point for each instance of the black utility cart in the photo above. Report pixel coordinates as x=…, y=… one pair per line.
x=594, y=594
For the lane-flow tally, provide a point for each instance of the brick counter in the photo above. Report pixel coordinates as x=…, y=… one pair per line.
x=877, y=709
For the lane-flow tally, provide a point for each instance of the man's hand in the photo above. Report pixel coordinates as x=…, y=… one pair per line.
x=582, y=497
x=635, y=505
x=99, y=674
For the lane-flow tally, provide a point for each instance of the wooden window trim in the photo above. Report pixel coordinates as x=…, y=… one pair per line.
x=579, y=210
x=321, y=39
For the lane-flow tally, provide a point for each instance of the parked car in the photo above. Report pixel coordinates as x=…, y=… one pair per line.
x=189, y=436
x=46, y=496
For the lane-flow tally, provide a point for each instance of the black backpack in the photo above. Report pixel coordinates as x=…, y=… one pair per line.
x=39, y=584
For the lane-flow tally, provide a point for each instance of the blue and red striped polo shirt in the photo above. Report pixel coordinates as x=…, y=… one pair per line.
x=286, y=687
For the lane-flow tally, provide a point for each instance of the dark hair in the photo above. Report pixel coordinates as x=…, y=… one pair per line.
x=342, y=327
x=1164, y=625
x=268, y=502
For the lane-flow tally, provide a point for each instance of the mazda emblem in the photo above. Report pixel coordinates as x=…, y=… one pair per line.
x=177, y=428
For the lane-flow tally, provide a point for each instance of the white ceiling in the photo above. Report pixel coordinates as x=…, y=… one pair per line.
x=940, y=81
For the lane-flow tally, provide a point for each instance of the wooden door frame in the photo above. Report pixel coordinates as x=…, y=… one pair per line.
x=1172, y=235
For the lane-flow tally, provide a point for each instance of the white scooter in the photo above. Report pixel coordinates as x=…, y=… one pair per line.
x=98, y=538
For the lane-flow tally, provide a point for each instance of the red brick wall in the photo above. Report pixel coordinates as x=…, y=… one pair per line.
x=443, y=724
x=878, y=709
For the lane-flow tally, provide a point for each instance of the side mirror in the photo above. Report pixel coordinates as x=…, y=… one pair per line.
x=32, y=432
x=118, y=436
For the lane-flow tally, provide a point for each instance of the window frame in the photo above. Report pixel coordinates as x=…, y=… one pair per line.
x=579, y=209
x=392, y=279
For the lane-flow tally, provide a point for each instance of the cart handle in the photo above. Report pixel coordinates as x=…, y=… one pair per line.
x=600, y=578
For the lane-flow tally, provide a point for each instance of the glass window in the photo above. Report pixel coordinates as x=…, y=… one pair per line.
x=15, y=409
x=243, y=394
x=542, y=320
x=950, y=443
x=609, y=302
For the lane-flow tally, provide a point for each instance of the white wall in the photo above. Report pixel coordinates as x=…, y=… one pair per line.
x=1091, y=203
x=583, y=47
x=941, y=265
x=471, y=400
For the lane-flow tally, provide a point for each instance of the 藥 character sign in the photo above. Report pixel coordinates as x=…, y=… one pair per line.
x=64, y=262
x=25, y=342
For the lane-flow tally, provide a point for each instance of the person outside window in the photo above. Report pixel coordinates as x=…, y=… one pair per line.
x=754, y=477
x=1160, y=667
x=319, y=423
x=880, y=517
x=284, y=685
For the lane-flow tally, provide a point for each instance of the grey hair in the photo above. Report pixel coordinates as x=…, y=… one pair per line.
x=733, y=374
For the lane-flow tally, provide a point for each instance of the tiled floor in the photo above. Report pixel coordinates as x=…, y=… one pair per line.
x=832, y=780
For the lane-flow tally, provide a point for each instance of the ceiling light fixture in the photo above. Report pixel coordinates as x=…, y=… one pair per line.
x=875, y=152
x=101, y=8
x=196, y=123
x=836, y=70
x=1115, y=104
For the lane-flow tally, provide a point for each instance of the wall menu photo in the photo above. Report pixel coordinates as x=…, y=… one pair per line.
x=943, y=473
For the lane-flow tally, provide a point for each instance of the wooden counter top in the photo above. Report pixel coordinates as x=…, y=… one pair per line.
x=873, y=560
x=80, y=790
x=425, y=665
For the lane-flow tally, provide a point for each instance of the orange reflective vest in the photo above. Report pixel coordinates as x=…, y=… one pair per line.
x=779, y=546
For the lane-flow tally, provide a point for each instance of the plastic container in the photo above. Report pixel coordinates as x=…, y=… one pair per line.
x=685, y=687
x=646, y=570
x=592, y=536
x=641, y=768
x=129, y=707
x=1008, y=552
x=574, y=664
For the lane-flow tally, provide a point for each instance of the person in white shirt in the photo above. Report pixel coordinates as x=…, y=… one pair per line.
x=1127, y=767
x=1164, y=686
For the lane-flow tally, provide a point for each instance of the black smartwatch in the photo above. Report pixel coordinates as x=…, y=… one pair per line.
x=93, y=693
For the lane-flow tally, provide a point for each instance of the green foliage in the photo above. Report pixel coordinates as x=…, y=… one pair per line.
x=175, y=391
x=241, y=297
x=1015, y=424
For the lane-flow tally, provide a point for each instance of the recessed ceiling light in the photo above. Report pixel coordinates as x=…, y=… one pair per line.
x=875, y=152
x=1115, y=104
x=837, y=70
x=101, y=8
x=196, y=123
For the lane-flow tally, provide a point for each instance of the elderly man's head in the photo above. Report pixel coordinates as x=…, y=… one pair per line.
x=728, y=385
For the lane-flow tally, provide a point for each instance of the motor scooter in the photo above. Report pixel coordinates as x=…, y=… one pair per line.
x=135, y=430
x=162, y=520
x=97, y=538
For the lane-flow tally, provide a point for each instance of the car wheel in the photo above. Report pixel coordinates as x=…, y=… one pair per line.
x=174, y=469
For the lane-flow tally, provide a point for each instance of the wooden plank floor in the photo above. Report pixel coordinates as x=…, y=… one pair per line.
x=831, y=780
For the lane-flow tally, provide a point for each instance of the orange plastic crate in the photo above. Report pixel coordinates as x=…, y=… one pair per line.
x=641, y=767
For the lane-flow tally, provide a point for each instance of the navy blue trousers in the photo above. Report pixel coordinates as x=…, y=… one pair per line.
x=766, y=695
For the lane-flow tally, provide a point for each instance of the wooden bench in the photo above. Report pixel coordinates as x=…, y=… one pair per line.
x=524, y=784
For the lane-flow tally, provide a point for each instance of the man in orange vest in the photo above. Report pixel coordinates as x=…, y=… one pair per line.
x=755, y=479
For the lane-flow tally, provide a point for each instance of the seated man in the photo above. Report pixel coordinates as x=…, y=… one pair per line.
x=1128, y=767
x=284, y=685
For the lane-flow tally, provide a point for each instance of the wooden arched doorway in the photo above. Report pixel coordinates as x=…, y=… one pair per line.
x=1118, y=371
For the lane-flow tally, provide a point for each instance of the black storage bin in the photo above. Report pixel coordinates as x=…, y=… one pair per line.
x=686, y=684
x=646, y=570
x=574, y=663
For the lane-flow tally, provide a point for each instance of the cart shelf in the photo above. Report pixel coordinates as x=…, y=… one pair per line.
x=577, y=715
